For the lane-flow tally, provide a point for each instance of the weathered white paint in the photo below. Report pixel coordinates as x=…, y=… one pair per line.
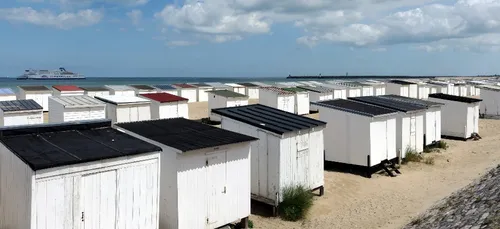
x=201, y=93
x=75, y=108
x=120, y=90
x=18, y=118
x=144, y=91
x=407, y=90
x=432, y=125
x=458, y=119
x=491, y=102
x=67, y=93
x=127, y=108
x=97, y=93
x=354, y=92
x=169, y=110
x=205, y=188
x=410, y=132
x=350, y=138
x=367, y=91
x=285, y=102
x=279, y=161
x=423, y=91
x=114, y=193
x=218, y=101
x=320, y=96
x=252, y=92
x=379, y=90
x=237, y=88
x=188, y=93
x=41, y=97
x=301, y=102
x=170, y=91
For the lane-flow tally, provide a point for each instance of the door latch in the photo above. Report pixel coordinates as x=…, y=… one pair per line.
x=224, y=190
x=83, y=216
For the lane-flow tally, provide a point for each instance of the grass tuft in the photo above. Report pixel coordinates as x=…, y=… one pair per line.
x=442, y=145
x=411, y=156
x=429, y=160
x=297, y=201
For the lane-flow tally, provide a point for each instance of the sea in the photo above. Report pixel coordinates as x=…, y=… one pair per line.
x=100, y=81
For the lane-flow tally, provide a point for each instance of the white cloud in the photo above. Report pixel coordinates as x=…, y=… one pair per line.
x=63, y=20
x=87, y=2
x=135, y=16
x=180, y=43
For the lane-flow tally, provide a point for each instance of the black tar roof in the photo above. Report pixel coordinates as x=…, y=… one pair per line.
x=454, y=98
x=48, y=146
x=19, y=105
x=421, y=102
x=200, y=85
x=268, y=118
x=391, y=104
x=355, y=107
x=183, y=134
x=142, y=87
x=402, y=82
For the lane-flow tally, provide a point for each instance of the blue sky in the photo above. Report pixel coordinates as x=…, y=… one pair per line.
x=251, y=38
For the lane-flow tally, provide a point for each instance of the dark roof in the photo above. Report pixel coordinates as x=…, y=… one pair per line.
x=355, y=107
x=94, y=88
x=183, y=134
x=402, y=82
x=142, y=87
x=19, y=105
x=165, y=87
x=248, y=84
x=200, y=85
x=268, y=118
x=317, y=89
x=35, y=88
x=164, y=97
x=391, y=104
x=295, y=89
x=421, y=102
x=454, y=98
x=183, y=85
x=227, y=94
x=48, y=146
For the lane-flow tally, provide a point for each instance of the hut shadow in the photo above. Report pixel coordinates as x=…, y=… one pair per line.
x=346, y=168
x=261, y=209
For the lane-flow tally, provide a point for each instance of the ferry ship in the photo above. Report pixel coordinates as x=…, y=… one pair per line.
x=60, y=74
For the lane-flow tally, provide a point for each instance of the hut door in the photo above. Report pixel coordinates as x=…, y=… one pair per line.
x=413, y=129
x=52, y=196
x=98, y=200
x=302, y=174
x=134, y=114
x=215, y=164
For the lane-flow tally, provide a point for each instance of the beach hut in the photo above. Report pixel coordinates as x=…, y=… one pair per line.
x=472, y=90
x=366, y=89
x=120, y=90
x=64, y=90
x=201, y=91
x=20, y=112
x=402, y=88
x=165, y=88
x=358, y=133
x=7, y=94
x=126, y=108
x=165, y=105
x=301, y=100
x=319, y=93
x=40, y=94
x=75, y=108
x=409, y=123
x=460, y=115
x=461, y=89
x=378, y=87
x=289, y=151
x=95, y=91
x=432, y=117
x=277, y=98
x=143, y=89
x=86, y=175
x=441, y=87
x=490, y=106
x=423, y=91
x=339, y=91
x=237, y=88
x=205, y=172
x=224, y=98
x=186, y=91
x=261, y=84
x=219, y=86
x=252, y=90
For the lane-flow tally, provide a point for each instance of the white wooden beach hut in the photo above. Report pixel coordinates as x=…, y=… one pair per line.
x=7, y=94
x=64, y=90
x=95, y=91
x=75, y=108
x=201, y=91
x=432, y=117
x=252, y=90
x=277, y=98
x=321, y=93
x=490, y=106
x=224, y=98
x=237, y=88
x=186, y=91
x=339, y=91
x=165, y=88
x=165, y=105
x=472, y=90
x=402, y=88
x=289, y=151
x=219, y=86
x=366, y=89
x=358, y=133
x=126, y=108
x=205, y=173
x=40, y=94
x=20, y=112
x=143, y=89
x=378, y=87
x=442, y=87
x=301, y=100
x=461, y=89
x=460, y=115
x=423, y=91
x=86, y=175
x=409, y=123
x=120, y=90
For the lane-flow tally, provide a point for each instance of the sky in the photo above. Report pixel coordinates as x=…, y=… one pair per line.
x=250, y=38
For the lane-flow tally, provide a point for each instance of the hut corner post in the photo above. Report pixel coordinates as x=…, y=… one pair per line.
x=368, y=171
x=244, y=222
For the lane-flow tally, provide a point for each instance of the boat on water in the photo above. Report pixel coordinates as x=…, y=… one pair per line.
x=60, y=74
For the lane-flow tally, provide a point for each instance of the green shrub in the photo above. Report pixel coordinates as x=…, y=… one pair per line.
x=442, y=145
x=428, y=149
x=240, y=226
x=297, y=201
x=411, y=155
x=250, y=224
x=429, y=160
